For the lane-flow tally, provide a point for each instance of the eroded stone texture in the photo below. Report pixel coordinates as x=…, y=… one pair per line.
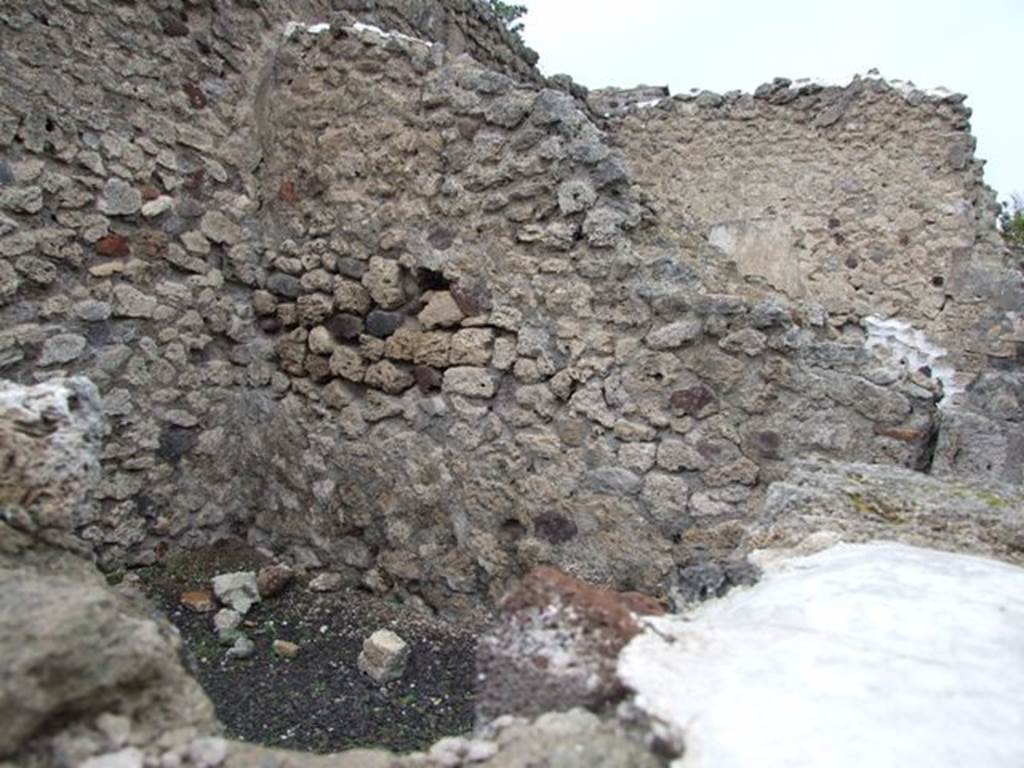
x=461, y=320
x=49, y=458
x=75, y=652
x=854, y=245
x=863, y=502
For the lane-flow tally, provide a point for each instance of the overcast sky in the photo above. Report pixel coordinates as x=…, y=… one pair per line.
x=970, y=47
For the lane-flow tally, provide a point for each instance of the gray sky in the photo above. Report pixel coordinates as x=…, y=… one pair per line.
x=722, y=45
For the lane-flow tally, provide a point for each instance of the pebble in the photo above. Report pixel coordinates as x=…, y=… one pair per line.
x=199, y=601
x=326, y=582
x=226, y=622
x=272, y=580
x=238, y=590
x=242, y=649
x=286, y=649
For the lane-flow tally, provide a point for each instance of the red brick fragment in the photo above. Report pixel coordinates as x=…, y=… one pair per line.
x=287, y=192
x=114, y=246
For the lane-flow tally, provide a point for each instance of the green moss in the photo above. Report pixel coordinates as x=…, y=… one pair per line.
x=993, y=500
x=874, y=508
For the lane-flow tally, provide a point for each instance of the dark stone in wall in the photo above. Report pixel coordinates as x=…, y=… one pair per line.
x=284, y=285
x=382, y=324
x=176, y=442
x=345, y=327
x=555, y=528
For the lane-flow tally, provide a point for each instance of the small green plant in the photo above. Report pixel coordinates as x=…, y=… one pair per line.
x=510, y=14
x=1011, y=221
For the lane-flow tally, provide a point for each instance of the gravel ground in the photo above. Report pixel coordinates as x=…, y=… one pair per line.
x=319, y=701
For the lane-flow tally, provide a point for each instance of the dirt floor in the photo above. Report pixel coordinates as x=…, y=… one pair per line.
x=319, y=701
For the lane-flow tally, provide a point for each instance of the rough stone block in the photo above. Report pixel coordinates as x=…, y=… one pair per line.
x=238, y=590
x=469, y=382
x=384, y=656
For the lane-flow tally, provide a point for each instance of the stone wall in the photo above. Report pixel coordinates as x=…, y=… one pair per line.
x=866, y=199
x=388, y=309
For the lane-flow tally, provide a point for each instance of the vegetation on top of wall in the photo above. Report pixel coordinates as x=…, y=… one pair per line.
x=510, y=14
x=1011, y=221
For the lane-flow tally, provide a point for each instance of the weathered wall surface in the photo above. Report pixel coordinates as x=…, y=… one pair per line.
x=866, y=199
x=388, y=310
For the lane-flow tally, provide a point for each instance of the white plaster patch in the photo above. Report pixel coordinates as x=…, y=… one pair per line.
x=898, y=344
x=904, y=87
x=880, y=655
x=361, y=27
x=294, y=27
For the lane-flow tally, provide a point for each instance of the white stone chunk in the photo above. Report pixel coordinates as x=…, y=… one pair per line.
x=384, y=656
x=237, y=590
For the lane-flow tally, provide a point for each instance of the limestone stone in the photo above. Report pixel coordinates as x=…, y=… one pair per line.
x=130, y=757
x=432, y=348
x=469, y=381
x=157, y=206
x=326, y=582
x=242, y=648
x=238, y=590
x=383, y=281
x=384, y=656
x=92, y=311
x=22, y=199
x=62, y=348
x=120, y=198
x=350, y=296
x=386, y=376
x=348, y=364
x=8, y=282
x=675, y=334
x=225, y=623
x=314, y=309
x=218, y=228
x=441, y=311
x=666, y=497
x=471, y=346
x=321, y=341
x=131, y=302
x=677, y=455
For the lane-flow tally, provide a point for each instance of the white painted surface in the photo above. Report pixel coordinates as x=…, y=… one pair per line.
x=292, y=27
x=898, y=344
x=361, y=27
x=878, y=655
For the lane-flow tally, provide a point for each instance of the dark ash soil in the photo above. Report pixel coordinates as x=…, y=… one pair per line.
x=320, y=701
